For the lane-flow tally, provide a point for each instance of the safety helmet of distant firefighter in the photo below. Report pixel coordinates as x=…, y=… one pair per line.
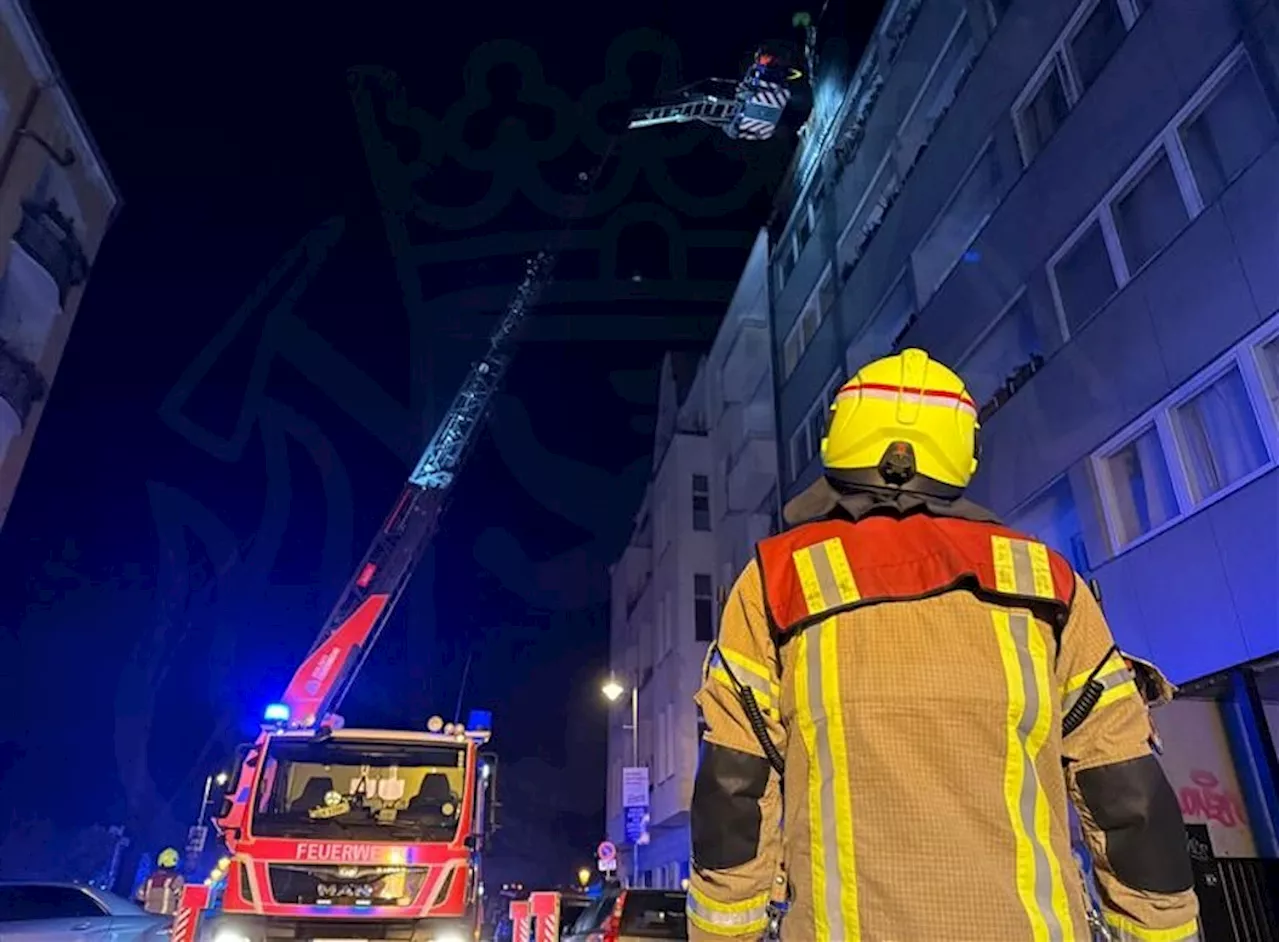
x=168, y=858
x=904, y=422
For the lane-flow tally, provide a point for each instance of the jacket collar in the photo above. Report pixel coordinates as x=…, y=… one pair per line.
x=823, y=501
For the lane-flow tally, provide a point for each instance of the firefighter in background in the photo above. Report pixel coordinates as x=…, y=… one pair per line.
x=904, y=664
x=160, y=892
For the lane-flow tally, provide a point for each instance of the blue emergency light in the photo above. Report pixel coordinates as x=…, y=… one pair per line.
x=480, y=721
x=276, y=713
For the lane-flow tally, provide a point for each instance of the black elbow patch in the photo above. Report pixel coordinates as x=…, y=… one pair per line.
x=1137, y=810
x=725, y=812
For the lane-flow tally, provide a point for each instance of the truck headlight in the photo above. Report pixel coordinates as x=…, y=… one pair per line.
x=230, y=935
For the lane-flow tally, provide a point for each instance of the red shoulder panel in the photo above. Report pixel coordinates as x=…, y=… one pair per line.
x=821, y=567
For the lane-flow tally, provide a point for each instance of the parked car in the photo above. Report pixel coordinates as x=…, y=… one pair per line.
x=62, y=912
x=623, y=915
x=572, y=906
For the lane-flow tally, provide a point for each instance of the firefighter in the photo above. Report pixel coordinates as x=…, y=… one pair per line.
x=885, y=703
x=161, y=890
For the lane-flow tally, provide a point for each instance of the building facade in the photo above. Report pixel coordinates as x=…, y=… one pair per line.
x=56, y=203
x=711, y=496
x=1074, y=202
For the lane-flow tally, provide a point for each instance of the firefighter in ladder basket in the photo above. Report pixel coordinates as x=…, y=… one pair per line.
x=902, y=700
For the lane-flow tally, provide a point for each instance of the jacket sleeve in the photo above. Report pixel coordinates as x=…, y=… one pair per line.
x=736, y=812
x=1128, y=810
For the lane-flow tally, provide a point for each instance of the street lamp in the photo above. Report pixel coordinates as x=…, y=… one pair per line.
x=584, y=877
x=612, y=691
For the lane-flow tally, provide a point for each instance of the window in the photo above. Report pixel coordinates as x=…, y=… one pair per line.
x=1228, y=132
x=1095, y=41
x=23, y=903
x=1085, y=278
x=1141, y=488
x=701, y=503
x=1213, y=435
x=1218, y=435
x=1150, y=214
x=1010, y=343
x=1045, y=110
x=938, y=92
x=807, y=438
x=884, y=327
x=806, y=326
x=1052, y=518
x=959, y=224
x=1155, y=199
x=1265, y=356
x=704, y=622
x=1077, y=58
x=804, y=226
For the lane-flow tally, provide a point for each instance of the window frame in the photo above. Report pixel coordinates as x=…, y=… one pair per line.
x=921, y=298
x=1167, y=142
x=1241, y=356
x=796, y=333
x=823, y=401
x=1059, y=57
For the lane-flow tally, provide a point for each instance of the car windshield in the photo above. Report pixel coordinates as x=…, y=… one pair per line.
x=359, y=791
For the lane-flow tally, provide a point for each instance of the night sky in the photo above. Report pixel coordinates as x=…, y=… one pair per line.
x=200, y=487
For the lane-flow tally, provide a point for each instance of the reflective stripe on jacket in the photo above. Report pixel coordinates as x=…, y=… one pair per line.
x=913, y=673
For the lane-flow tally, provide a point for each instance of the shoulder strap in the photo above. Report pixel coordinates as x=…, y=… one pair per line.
x=824, y=568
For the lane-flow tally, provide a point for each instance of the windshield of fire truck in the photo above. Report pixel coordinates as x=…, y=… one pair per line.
x=359, y=791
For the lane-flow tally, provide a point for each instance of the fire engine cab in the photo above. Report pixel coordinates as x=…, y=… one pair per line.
x=357, y=834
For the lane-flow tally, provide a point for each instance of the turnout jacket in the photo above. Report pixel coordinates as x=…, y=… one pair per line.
x=913, y=672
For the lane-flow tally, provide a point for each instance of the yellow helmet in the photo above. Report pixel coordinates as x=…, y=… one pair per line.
x=904, y=422
x=168, y=858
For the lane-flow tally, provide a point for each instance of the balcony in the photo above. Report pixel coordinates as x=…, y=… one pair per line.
x=50, y=238
x=747, y=362
x=21, y=384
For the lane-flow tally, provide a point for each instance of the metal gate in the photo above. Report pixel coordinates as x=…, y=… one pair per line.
x=1237, y=894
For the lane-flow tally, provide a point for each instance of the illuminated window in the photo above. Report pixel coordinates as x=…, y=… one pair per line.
x=1218, y=435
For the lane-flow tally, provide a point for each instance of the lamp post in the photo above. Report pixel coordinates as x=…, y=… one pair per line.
x=612, y=691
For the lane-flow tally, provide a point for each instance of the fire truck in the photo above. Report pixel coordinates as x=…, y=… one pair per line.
x=354, y=834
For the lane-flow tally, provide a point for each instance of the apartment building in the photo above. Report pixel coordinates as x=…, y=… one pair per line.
x=1074, y=202
x=711, y=497
x=739, y=390
x=661, y=620
x=56, y=204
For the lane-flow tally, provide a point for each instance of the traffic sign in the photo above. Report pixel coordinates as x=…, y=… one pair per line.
x=196, y=838
x=606, y=850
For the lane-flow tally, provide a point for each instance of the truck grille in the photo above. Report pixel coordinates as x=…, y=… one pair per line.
x=346, y=886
